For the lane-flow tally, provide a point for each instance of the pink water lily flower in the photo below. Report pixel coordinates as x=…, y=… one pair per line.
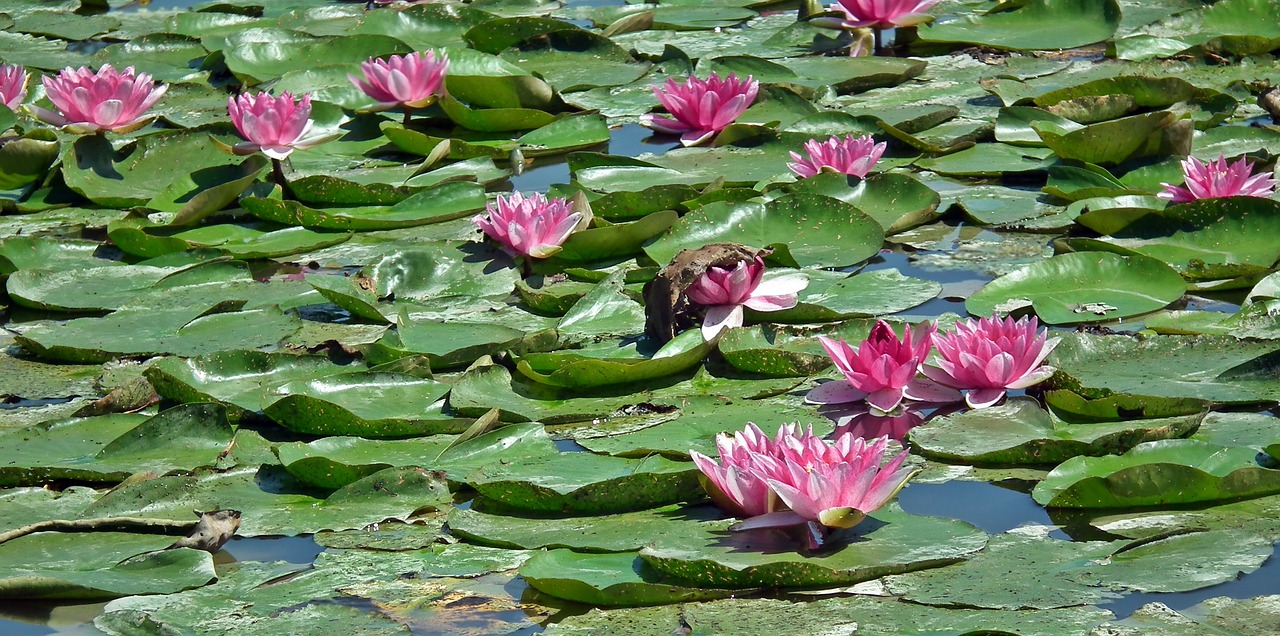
x=878, y=14
x=834, y=485
x=989, y=356
x=725, y=291
x=413, y=80
x=851, y=155
x=531, y=225
x=1219, y=179
x=701, y=108
x=737, y=482
x=108, y=99
x=882, y=370
x=276, y=126
x=13, y=85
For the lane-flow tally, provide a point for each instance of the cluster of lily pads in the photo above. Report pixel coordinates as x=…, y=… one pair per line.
x=347, y=340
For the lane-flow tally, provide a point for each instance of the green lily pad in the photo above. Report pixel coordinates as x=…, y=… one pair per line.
x=366, y=404
x=444, y=202
x=897, y=202
x=695, y=426
x=889, y=541
x=799, y=227
x=1021, y=432
x=1218, y=368
x=238, y=379
x=1224, y=231
x=1056, y=570
x=587, y=483
x=581, y=372
x=1083, y=287
x=150, y=331
x=607, y=579
x=135, y=175
x=1157, y=133
x=272, y=501
x=1039, y=24
x=95, y=565
x=1159, y=473
x=334, y=462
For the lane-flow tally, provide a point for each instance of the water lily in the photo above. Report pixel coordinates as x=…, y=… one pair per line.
x=701, y=108
x=882, y=370
x=531, y=225
x=276, y=126
x=851, y=155
x=725, y=291
x=989, y=356
x=1219, y=179
x=88, y=101
x=737, y=482
x=13, y=85
x=413, y=80
x=834, y=485
x=879, y=14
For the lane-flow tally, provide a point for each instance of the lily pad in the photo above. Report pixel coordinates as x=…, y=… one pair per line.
x=1083, y=287
x=805, y=230
x=380, y=405
x=1021, y=432
x=587, y=483
x=98, y=565
x=1162, y=473
x=607, y=579
x=889, y=541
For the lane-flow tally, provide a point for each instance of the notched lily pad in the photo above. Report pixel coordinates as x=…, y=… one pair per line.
x=585, y=482
x=377, y=405
x=1022, y=432
x=1162, y=473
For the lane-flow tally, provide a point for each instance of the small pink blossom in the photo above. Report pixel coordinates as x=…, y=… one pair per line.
x=701, y=108
x=13, y=85
x=882, y=370
x=851, y=155
x=878, y=14
x=737, y=482
x=108, y=99
x=534, y=225
x=989, y=356
x=835, y=485
x=276, y=126
x=413, y=80
x=1219, y=179
x=724, y=292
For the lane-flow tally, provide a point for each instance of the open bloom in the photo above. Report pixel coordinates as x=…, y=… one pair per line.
x=13, y=85
x=701, y=108
x=88, y=102
x=737, y=482
x=835, y=485
x=1219, y=179
x=879, y=14
x=991, y=355
x=724, y=292
x=838, y=489
x=882, y=370
x=534, y=225
x=851, y=155
x=414, y=80
x=275, y=125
